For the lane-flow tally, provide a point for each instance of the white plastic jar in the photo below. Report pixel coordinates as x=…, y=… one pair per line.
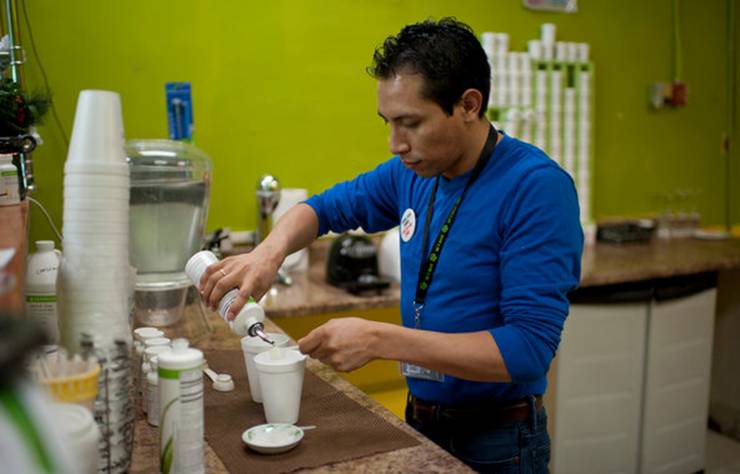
x=152, y=393
x=9, y=190
x=181, y=427
x=41, y=287
x=80, y=434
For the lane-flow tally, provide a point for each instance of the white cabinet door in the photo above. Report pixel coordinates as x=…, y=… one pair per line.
x=598, y=389
x=677, y=384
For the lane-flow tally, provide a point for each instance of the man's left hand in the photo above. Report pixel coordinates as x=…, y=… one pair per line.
x=345, y=344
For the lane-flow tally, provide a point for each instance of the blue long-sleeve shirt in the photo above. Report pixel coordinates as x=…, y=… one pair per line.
x=513, y=253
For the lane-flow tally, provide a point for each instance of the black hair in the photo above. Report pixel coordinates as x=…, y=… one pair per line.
x=446, y=53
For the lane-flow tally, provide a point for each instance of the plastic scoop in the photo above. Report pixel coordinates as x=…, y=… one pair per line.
x=221, y=382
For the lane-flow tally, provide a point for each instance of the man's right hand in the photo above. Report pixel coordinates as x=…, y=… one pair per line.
x=253, y=273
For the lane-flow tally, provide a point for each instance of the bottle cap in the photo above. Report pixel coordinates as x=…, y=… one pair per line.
x=45, y=245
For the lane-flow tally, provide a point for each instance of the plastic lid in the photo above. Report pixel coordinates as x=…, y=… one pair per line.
x=45, y=245
x=157, y=341
x=155, y=351
x=181, y=357
x=162, y=281
x=180, y=345
x=166, y=160
x=145, y=333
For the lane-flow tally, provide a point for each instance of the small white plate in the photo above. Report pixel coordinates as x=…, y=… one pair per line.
x=273, y=438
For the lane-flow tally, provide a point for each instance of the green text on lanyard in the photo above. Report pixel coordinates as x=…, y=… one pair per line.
x=427, y=266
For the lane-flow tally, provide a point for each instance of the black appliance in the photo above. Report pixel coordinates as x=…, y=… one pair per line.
x=352, y=264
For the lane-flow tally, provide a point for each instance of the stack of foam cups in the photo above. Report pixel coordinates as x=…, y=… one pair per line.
x=95, y=279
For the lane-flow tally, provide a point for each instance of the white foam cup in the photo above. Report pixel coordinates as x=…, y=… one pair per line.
x=96, y=168
x=281, y=381
x=102, y=180
x=251, y=346
x=97, y=134
x=96, y=215
x=96, y=192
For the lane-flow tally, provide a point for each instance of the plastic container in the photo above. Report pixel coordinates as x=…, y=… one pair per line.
x=181, y=428
x=249, y=320
x=152, y=393
x=80, y=434
x=170, y=189
x=80, y=389
x=140, y=335
x=41, y=287
x=145, y=368
x=9, y=190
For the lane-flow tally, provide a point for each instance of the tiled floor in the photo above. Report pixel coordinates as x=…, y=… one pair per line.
x=722, y=452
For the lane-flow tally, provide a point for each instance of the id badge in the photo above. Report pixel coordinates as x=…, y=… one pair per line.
x=417, y=372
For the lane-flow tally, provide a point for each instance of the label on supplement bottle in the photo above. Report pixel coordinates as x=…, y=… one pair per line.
x=43, y=309
x=181, y=420
x=9, y=192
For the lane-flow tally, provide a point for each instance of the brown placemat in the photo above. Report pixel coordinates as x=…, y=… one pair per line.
x=346, y=430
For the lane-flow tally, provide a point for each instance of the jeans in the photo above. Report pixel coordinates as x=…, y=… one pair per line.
x=521, y=447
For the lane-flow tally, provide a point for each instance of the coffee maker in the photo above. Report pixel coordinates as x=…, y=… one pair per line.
x=170, y=189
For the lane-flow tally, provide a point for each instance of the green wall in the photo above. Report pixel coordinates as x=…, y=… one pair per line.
x=279, y=86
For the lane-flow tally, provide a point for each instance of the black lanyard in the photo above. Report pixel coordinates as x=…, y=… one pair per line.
x=427, y=266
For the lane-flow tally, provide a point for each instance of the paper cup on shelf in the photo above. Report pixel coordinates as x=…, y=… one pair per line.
x=251, y=346
x=281, y=381
x=97, y=134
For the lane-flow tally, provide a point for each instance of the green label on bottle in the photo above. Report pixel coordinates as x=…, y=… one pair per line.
x=41, y=299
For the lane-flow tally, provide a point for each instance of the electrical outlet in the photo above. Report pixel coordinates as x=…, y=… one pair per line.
x=657, y=95
x=668, y=94
x=679, y=94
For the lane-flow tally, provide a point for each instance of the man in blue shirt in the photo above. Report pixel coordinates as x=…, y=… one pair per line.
x=490, y=245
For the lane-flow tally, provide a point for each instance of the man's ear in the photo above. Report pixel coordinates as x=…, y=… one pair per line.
x=471, y=103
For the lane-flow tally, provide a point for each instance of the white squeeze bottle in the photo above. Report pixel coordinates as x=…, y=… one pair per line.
x=41, y=287
x=249, y=320
x=9, y=191
x=180, y=384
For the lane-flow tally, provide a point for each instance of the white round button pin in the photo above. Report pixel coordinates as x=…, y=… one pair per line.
x=408, y=224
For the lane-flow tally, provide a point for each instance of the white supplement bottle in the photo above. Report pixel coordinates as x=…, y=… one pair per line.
x=140, y=335
x=41, y=287
x=9, y=190
x=152, y=393
x=249, y=320
x=181, y=409
x=146, y=368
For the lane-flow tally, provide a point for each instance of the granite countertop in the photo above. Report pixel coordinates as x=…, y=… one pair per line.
x=426, y=457
x=603, y=264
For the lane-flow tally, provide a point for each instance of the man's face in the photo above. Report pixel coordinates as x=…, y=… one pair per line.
x=428, y=141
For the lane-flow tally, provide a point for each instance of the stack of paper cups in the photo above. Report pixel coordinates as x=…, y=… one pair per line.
x=95, y=279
